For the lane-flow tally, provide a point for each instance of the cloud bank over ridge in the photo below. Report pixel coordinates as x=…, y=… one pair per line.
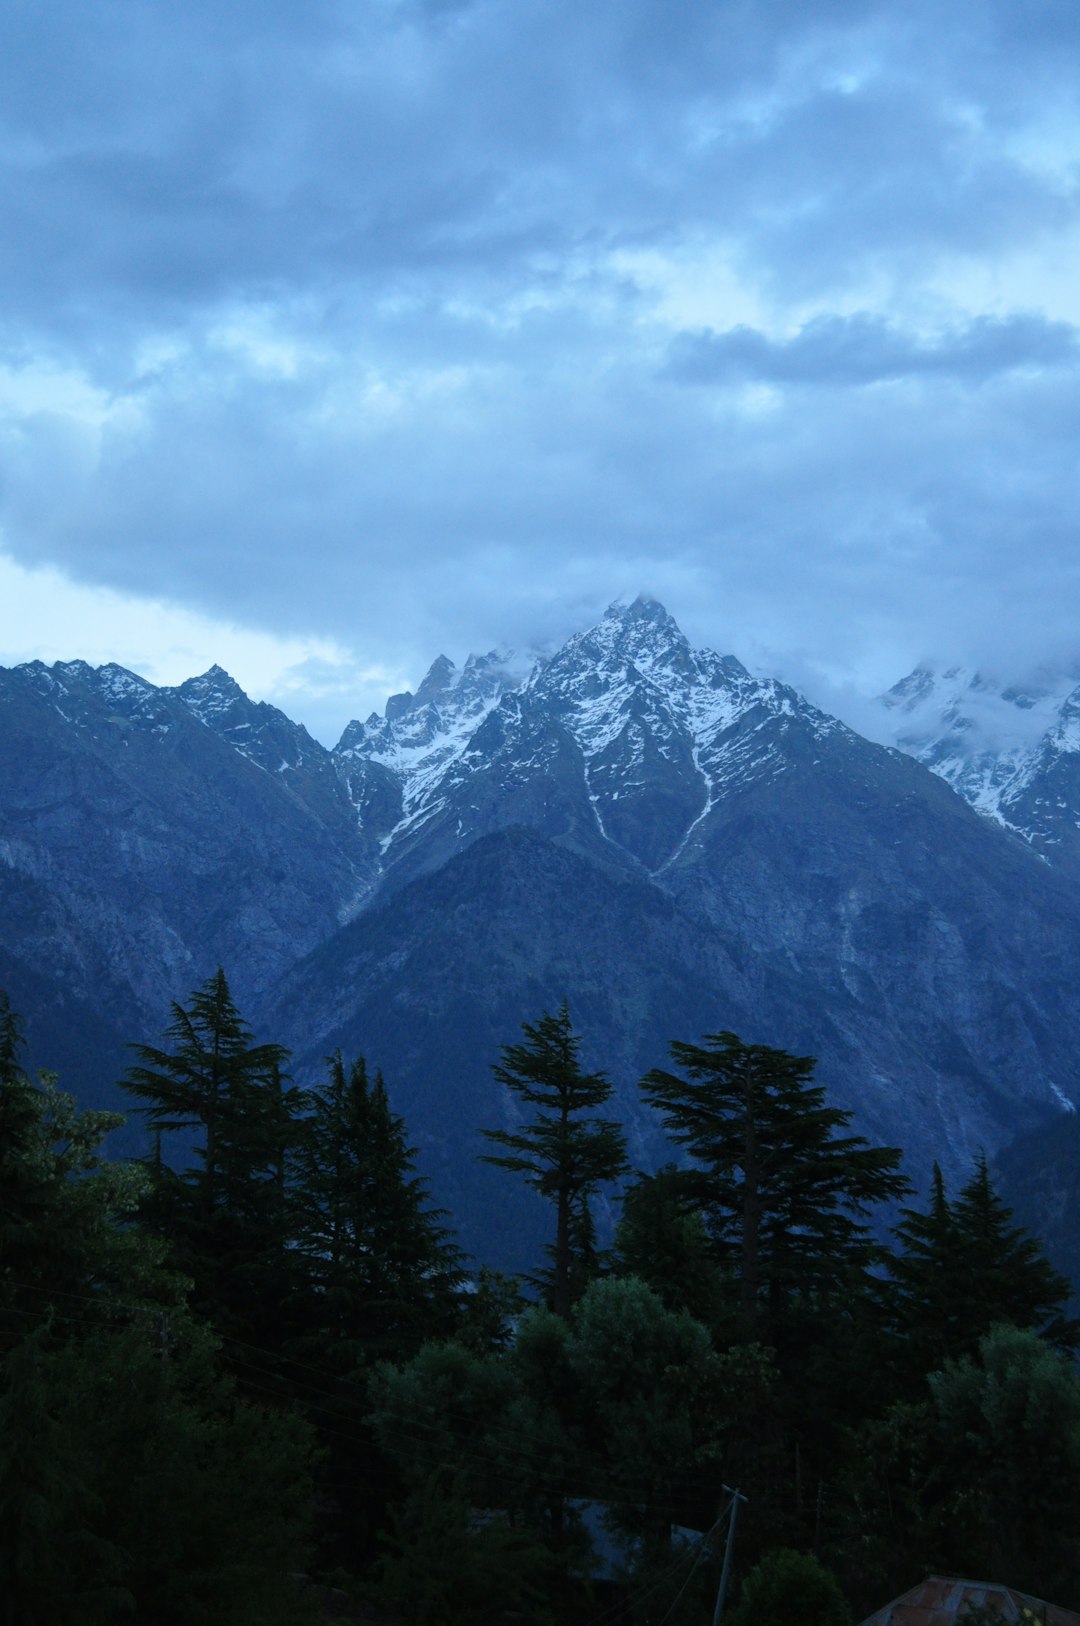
x=380, y=328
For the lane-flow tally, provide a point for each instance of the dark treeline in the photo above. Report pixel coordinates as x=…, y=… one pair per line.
x=258, y=1382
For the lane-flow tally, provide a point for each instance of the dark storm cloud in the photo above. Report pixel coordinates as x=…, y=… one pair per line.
x=866, y=349
x=381, y=308
x=154, y=156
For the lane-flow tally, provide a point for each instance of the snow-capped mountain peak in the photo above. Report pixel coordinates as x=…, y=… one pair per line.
x=999, y=745
x=211, y=695
x=652, y=732
x=93, y=697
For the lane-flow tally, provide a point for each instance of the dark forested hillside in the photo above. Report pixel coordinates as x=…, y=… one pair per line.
x=262, y=1383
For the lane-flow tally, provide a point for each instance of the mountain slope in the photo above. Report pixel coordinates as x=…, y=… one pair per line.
x=646, y=829
x=153, y=847
x=1012, y=752
x=429, y=986
x=819, y=893
x=616, y=746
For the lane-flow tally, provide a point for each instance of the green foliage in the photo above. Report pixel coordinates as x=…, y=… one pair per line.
x=489, y=1311
x=791, y=1589
x=446, y=1562
x=962, y=1268
x=54, y=1565
x=381, y=1273
x=563, y=1154
x=448, y=1405
x=132, y=1480
x=625, y=1404
x=647, y=1387
x=228, y=1219
x=662, y=1239
x=1003, y=1462
x=215, y=1081
x=1008, y=1276
x=783, y=1191
x=148, y=1479
x=929, y=1296
x=67, y=1242
x=135, y=1477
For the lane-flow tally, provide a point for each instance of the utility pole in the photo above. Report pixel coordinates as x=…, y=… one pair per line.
x=736, y=1497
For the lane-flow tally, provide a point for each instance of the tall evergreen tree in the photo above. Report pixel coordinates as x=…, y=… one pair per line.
x=962, y=1268
x=564, y=1153
x=784, y=1190
x=1006, y=1268
x=229, y=1217
x=380, y=1265
x=132, y=1480
x=214, y=1081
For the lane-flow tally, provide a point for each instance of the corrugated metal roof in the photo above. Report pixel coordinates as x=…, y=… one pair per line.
x=940, y=1600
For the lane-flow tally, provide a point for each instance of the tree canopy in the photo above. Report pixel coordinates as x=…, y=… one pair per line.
x=381, y=1271
x=784, y=1189
x=335, y=1378
x=564, y=1152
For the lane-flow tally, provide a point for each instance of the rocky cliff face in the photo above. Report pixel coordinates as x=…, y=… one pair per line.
x=639, y=827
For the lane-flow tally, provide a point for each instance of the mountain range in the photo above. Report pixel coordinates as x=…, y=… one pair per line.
x=671, y=844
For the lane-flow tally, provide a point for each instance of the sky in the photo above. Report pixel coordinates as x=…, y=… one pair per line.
x=336, y=334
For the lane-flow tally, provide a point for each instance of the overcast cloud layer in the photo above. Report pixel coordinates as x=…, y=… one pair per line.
x=345, y=333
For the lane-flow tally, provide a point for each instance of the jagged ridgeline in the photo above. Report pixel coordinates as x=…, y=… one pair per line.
x=643, y=829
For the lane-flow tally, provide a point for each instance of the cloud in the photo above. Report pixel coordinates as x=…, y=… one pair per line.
x=47, y=616
x=867, y=349
x=375, y=322
x=154, y=157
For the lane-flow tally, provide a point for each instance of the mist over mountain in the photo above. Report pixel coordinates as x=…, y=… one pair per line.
x=1010, y=749
x=640, y=827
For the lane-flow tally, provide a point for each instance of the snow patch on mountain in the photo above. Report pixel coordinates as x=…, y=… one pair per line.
x=420, y=737
x=993, y=742
x=212, y=695
x=651, y=721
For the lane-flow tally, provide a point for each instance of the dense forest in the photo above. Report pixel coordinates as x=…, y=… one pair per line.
x=251, y=1378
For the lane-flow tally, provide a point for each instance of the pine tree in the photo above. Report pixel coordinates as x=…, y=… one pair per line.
x=1006, y=1269
x=924, y=1305
x=963, y=1268
x=783, y=1189
x=131, y=1479
x=215, y=1081
x=563, y=1153
x=381, y=1269
x=229, y=1218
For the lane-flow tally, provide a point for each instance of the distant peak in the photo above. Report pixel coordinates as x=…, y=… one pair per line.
x=643, y=608
x=642, y=629
x=217, y=674
x=439, y=678
x=212, y=691
x=398, y=704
